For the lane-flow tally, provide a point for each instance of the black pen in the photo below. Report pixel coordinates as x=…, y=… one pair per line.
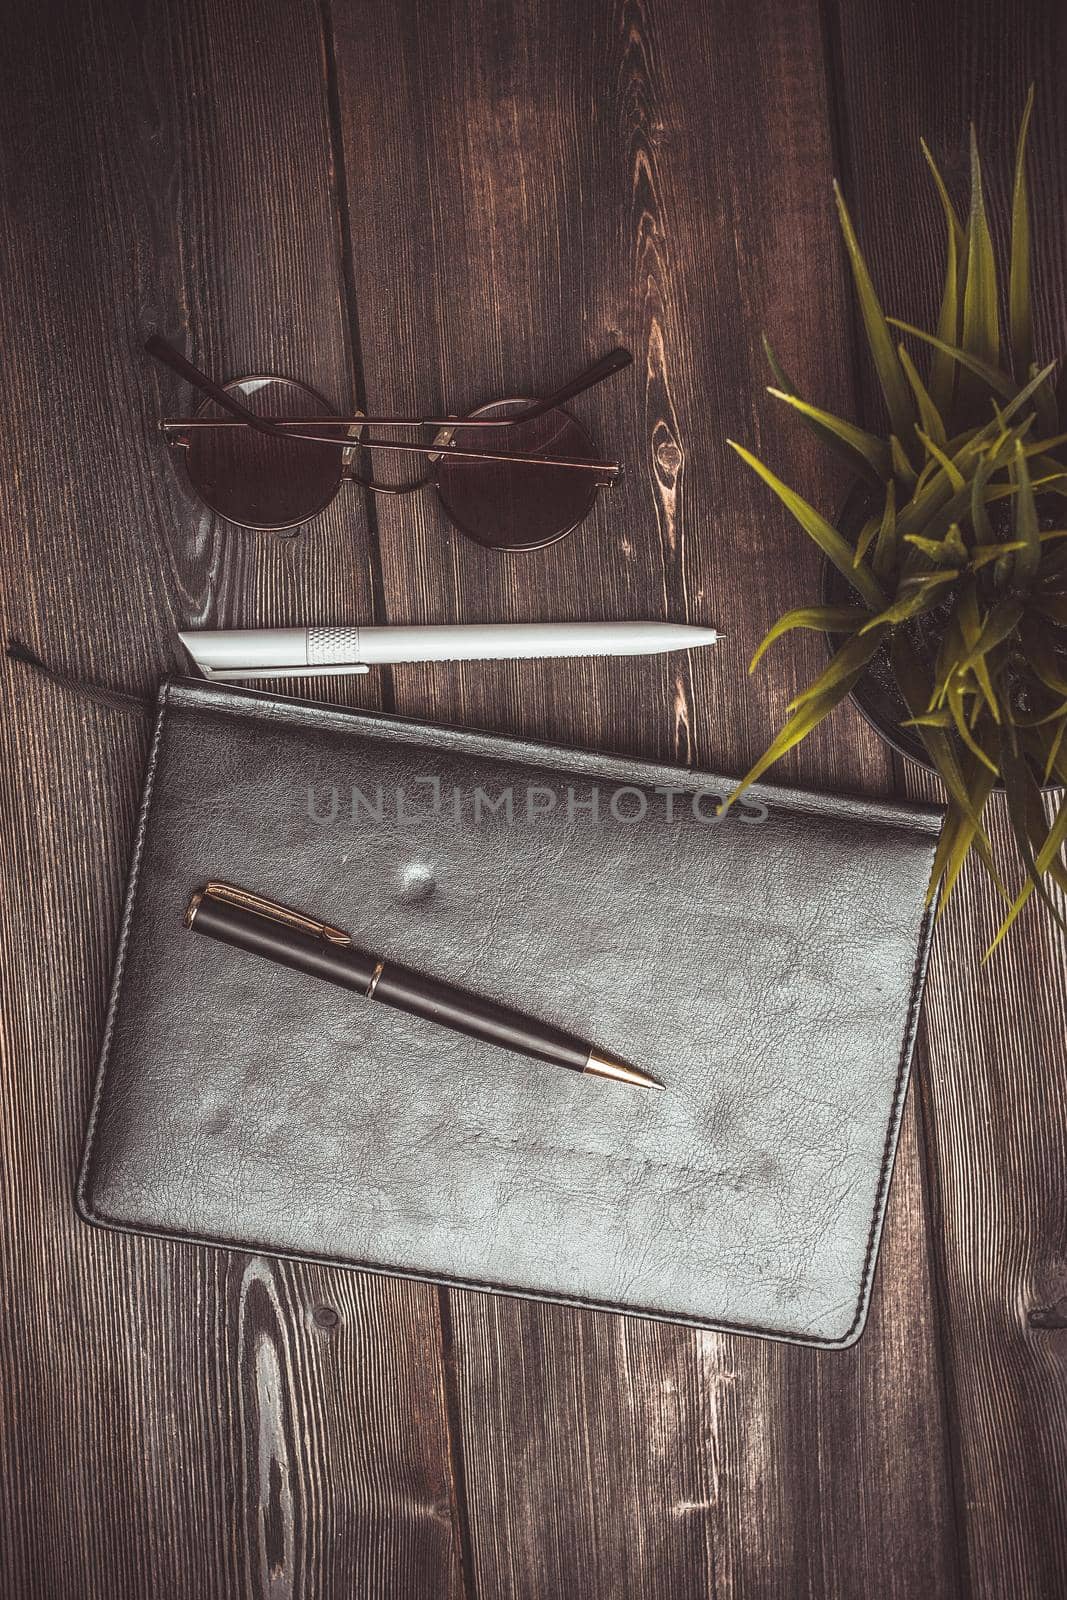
x=280, y=934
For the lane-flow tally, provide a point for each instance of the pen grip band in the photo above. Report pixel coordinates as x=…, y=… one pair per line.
x=327, y=646
x=336, y=963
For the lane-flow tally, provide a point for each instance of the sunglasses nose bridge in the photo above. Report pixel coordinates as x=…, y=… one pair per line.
x=174, y=438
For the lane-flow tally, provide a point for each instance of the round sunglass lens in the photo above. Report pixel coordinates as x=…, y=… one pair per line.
x=254, y=479
x=517, y=507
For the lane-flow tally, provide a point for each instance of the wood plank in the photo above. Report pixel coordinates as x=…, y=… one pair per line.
x=993, y=1107
x=528, y=187
x=175, y=1421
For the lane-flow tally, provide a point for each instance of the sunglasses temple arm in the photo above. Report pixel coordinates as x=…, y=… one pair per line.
x=163, y=351
x=609, y=469
x=615, y=361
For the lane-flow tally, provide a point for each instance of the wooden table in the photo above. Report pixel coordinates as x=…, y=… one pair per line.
x=418, y=204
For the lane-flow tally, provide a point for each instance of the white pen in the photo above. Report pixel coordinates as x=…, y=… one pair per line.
x=241, y=654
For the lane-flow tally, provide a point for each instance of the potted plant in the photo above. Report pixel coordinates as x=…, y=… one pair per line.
x=947, y=591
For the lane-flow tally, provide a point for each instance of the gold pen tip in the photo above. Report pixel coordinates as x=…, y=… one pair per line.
x=607, y=1067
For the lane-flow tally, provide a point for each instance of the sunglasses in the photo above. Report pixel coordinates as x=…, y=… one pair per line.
x=270, y=453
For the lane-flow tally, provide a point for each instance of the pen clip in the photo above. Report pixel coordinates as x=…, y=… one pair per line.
x=331, y=669
x=230, y=895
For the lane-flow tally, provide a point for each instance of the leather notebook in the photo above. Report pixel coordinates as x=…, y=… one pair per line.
x=767, y=966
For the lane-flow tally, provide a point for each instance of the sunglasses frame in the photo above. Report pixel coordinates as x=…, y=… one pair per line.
x=240, y=415
x=346, y=473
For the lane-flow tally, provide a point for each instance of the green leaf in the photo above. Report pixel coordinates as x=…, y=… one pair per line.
x=1039, y=647
x=923, y=596
x=926, y=476
x=833, y=545
x=958, y=834
x=942, y=368
x=929, y=719
x=1020, y=313
x=1045, y=719
x=956, y=707
x=922, y=581
x=983, y=451
x=932, y=512
x=1054, y=747
x=942, y=551
x=1029, y=391
x=1005, y=491
x=866, y=537
x=936, y=500
x=968, y=615
x=950, y=654
x=929, y=415
x=850, y=659
x=1048, y=470
x=956, y=506
x=885, y=548
x=1055, y=482
x=982, y=554
x=914, y=687
x=948, y=467
x=828, y=619
x=993, y=376
x=1001, y=451
x=860, y=443
x=798, y=727
x=983, y=528
x=1048, y=853
x=886, y=364
x=1026, y=528
x=1001, y=621
x=954, y=542
x=956, y=232
x=1043, y=446
x=1027, y=817
x=781, y=377
x=902, y=467
x=980, y=336
x=1045, y=403
x=825, y=436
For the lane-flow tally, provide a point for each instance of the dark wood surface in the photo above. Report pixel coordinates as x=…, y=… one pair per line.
x=419, y=204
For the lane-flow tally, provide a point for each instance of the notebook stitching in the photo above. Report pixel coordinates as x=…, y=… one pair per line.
x=773, y=1330
x=896, y=1108
x=124, y=937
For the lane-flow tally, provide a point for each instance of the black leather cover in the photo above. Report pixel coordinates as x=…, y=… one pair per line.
x=768, y=971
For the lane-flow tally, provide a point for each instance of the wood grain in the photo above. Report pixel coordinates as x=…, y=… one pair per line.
x=577, y=176
x=173, y=1421
x=995, y=1041
x=409, y=205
